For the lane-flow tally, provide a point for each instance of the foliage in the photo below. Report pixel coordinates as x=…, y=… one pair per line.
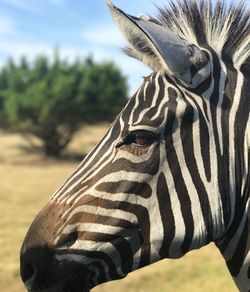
x=51, y=99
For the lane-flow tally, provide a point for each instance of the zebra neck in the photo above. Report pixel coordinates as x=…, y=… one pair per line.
x=234, y=245
x=235, y=248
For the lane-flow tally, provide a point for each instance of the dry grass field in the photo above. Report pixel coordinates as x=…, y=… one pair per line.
x=27, y=180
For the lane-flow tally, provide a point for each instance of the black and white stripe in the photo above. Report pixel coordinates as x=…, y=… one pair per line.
x=172, y=173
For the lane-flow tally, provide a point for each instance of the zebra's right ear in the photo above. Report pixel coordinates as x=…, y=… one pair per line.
x=158, y=47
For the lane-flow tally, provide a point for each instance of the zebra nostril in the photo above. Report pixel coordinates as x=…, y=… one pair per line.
x=35, y=264
x=27, y=273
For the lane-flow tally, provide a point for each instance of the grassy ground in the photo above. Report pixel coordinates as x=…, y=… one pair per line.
x=28, y=180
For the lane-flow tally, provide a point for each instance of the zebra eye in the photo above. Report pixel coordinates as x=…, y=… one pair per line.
x=140, y=138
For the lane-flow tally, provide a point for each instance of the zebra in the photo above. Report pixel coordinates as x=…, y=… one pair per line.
x=172, y=173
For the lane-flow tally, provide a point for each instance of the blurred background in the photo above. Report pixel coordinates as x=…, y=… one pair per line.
x=63, y=79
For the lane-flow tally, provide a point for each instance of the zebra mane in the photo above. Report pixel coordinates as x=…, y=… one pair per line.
x=223, y=27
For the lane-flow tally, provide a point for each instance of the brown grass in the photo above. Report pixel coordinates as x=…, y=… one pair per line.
x=28, y=180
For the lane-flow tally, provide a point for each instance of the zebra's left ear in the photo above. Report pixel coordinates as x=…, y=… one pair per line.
x=158, y=47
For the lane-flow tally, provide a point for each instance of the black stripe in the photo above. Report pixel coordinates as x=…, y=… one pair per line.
x=102, y=274
x=153, y=110
x=149, y=166
x=167, y=216
x=94, y=255
x=139, y=211
x=235, y=264
x=204, y=138
x=187, y=137
x=144, y=99
x=120, y=244
x=222, y=160
x=128, y=187
x=94, y=164
x=179, y=182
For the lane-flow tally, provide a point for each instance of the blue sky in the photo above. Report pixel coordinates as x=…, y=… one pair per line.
x=77, y=27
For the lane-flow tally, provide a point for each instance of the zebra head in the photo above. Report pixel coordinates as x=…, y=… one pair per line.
x=163, y=181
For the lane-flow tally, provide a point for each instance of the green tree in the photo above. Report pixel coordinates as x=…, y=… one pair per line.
x=52, y=99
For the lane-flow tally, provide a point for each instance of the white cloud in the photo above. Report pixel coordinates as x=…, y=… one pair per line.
x=16, y=49
x=103, y=35
x=6, y=25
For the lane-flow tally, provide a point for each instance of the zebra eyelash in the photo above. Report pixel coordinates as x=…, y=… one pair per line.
x=140, y=138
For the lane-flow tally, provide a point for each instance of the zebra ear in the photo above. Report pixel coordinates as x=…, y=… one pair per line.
x=158, y=47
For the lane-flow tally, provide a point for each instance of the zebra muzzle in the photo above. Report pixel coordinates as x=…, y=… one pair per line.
x=42, y=272
x=40, y=269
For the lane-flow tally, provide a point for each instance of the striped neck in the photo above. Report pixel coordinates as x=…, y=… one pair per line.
x=235, y=243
